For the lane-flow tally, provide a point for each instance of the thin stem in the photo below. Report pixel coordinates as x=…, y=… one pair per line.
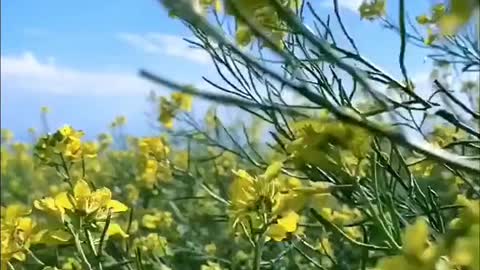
x=258, y=251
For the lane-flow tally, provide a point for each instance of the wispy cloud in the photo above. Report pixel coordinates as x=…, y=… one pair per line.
x=351, y=5
x=162, y=44
x=28, y=73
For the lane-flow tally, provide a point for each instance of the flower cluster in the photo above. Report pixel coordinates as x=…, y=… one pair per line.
x=170, y=108
x=153, y=165
x=65, y=145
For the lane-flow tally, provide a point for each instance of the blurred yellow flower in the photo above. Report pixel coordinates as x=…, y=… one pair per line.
x=17, y=230
x=182, y=101
x=286, y=224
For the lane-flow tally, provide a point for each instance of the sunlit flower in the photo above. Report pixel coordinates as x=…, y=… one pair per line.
x=86, y=202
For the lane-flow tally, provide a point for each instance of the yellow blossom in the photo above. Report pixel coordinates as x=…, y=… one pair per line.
x=17, y=230
x=286, y=224
x=87, y=202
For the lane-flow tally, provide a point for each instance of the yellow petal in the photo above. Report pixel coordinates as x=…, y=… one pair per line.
x=101, y=197
x=276, y=232
x=25, y=224
x=150, y=221
x=16, y=210
x=183, y=101
x=289, y=221
x=44, y=204
x=117, y=206
x=415, y=238
x=63, y=201
x=115, y=230
x=81, y=189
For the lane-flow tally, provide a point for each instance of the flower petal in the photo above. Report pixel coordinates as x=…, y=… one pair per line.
x=117, y=206
x=115, y=230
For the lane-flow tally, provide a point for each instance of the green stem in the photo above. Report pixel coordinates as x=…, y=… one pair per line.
x=78, y=246
x=257, y=258
x=67, y=172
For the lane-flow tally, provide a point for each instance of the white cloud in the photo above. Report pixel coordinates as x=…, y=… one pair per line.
x=351, y=5
x=28, y=73
x=162, y=44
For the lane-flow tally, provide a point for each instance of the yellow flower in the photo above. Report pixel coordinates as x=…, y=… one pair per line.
x=460, y=13
x=16, y=233
x=465, y=249
x=114, y=230
x=52, y=206
x=287, y=224
x=182, y=101
x=90, y=149
x=169, y=108
x=85, y=202
x=64, y=143
x=167, y=113
x=264, y=15
x=150, y=221
x=248, y=193
x=415, y=238
x=331, y=145
x=13, y=211
x=417, y=251
x=153, y=243
x=154, y=147
x=372, y=9
x=152, y=171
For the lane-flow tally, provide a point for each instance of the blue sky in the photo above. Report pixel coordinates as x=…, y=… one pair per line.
x=81, y=58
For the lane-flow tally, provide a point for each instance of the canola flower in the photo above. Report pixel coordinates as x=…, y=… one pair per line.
x=263, y=16
x=265, y=201
x=154, y=244
x=331, y=145
x=83, y=202
x=169, y=108
x=64, y=145
x=92, y=206
x=268, y=203
x=372, y=9
x=457, y=249
x=17, y=233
